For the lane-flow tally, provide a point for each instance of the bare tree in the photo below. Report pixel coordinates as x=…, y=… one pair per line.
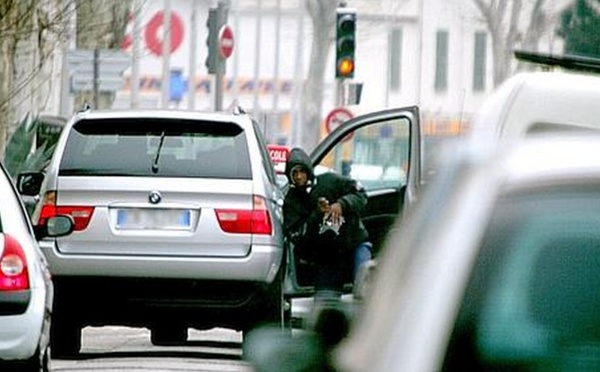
x=30, y=33
x=505, y=20
x=8, y=41
x=322, y=14
x=26, y=28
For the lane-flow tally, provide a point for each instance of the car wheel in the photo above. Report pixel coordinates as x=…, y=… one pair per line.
x=65, y=338
x=168, y=335
x=277, y=311
x=39, y=362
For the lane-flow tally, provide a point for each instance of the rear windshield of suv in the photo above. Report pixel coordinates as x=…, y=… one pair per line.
x=152, y=147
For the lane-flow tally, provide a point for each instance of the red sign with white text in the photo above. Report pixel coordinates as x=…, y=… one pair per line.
x=278, y=153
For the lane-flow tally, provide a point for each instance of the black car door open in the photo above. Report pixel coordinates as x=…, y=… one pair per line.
x=382, y=151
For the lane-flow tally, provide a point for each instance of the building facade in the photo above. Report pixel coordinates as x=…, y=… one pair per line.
x=433, y=53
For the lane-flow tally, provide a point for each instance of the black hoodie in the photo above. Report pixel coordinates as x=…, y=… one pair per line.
x=302, y=218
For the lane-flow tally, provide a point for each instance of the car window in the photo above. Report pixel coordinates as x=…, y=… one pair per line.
x=156, y=147
x=532, y=302
x=376, y=155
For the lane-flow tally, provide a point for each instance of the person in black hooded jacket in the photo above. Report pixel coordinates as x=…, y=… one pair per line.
x=322, y=219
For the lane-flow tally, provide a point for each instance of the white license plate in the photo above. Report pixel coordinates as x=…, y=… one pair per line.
x=153, y=219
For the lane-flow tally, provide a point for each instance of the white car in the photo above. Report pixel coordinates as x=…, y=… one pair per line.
x=26, y=290
x=530, y=103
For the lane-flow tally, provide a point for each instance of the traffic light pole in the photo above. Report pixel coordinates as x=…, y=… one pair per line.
x=215, y=62
x=222, y=17
x=339, y=92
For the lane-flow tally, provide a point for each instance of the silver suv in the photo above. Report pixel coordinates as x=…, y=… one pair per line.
x=178, y=225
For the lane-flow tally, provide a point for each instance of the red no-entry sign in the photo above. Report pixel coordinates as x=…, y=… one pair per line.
x=226, y=42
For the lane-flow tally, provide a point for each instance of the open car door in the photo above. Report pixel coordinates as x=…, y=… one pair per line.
x=382, y=151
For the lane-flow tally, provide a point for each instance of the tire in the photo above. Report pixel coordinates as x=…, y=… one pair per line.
x=168, y=335
x=65, y=338
x=39, y=362
x=276, y=311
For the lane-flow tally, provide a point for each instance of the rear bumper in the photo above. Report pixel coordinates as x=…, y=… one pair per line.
x=20, y=334
x=144, y=302
x=260, y=265
x=199, y=292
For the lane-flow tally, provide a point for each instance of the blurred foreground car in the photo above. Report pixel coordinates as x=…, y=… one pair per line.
x=497, y=267
x=26, y=290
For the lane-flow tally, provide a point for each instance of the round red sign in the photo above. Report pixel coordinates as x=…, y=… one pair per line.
x=337, y=117
x=226, y=42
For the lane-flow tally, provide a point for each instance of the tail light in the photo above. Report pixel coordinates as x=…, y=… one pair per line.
x=81, y=214
x=244, y=221
x=14, y=275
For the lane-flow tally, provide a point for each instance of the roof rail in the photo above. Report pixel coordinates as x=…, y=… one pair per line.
x=568, y=62
x=85, y=107
x=238, y=110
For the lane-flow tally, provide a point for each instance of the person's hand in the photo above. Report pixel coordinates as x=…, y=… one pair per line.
x=323, y=205
x=335, y=211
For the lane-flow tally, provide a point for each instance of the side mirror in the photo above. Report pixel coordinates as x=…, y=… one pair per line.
x=55, y=227
x=30, y=183
x=270, y=350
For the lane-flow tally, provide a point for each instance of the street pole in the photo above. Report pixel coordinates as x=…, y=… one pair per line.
x=193, y=50
x=298, y=120
x=222, y=17
x=66, y=101
x=96, y=80
x=257, y=47
x=135, y=67
x=166, y=52
x=277, y=52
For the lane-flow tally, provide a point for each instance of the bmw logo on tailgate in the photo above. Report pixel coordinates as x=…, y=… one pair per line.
x=155, y=197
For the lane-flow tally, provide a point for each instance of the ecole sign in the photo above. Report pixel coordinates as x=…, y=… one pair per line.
x=278, y=153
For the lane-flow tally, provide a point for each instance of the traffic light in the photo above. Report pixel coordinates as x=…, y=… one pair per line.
x=345, y=36
x=212, y=40
x=217, y=18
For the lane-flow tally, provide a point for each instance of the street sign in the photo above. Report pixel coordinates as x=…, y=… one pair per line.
x=226, y=42
x=111, y=65
x=336, y=118
x=278, y=153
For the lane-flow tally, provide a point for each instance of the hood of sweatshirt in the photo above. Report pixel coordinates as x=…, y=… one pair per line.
x=298, y=157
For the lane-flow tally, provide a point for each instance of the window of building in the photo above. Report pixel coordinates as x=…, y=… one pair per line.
x=479, y=61
x=395, y=58
x=441, y=61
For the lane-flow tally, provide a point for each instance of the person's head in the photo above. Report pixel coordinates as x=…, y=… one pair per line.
x=299, y=175
x=298, y=169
